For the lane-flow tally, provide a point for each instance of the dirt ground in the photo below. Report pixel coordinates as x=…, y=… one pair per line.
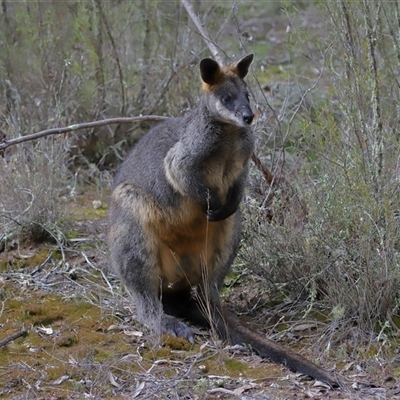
x=79, y=337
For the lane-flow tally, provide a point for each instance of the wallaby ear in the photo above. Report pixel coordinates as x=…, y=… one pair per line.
x=210, y=71
x=241, y=68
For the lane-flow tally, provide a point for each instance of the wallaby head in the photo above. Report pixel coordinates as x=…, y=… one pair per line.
x=225, y=91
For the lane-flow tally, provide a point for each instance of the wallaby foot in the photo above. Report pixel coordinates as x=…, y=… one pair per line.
x=174, y=327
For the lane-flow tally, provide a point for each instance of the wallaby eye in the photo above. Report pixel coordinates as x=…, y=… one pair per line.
x=226, y=99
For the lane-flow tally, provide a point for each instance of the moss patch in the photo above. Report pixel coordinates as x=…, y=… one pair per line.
x=14, y=260
x=66, y=338
x=235, y=366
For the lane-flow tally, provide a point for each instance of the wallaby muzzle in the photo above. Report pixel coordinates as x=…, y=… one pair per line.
x=248, y=116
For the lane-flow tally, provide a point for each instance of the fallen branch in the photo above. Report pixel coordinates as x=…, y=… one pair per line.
x=9, y=339
x=4, y=144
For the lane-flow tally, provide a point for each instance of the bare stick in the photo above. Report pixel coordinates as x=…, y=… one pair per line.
x=203, y=31
x=264, y=170
x=55, y=131
x=9, y=339
x=114, y=48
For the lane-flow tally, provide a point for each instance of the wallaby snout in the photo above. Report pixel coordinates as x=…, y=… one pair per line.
x=248, y=116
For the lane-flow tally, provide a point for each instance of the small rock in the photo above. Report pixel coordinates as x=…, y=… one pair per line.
x=97, y=204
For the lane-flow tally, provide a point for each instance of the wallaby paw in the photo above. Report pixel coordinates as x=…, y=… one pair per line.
x=211, y=216
x=172, y=326
x=218, y=215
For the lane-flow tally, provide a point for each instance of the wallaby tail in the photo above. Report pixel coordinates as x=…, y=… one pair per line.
x=230, y=328
x=238, y=333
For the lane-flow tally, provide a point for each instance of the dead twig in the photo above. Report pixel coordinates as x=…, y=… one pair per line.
x=4, y=144
x=203, y=31
x=9, y=339
x=223, y=391
x=264, y=170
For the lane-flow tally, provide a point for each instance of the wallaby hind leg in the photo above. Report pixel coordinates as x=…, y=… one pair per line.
x=135, y=263
x=183, y=306
x=196, y=309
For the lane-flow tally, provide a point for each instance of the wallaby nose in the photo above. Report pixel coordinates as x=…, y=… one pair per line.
x=248, y=116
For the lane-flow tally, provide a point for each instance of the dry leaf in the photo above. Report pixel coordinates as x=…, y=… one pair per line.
x=138, y=390
x=47, y=331
x=60, y=380
x=348, y=366
x=304, y=327
x=204, y=345
x=319, y=384
x=243, y=388
x=72, y=360
x=113, y=380
x=133, y=333
x=116, y=327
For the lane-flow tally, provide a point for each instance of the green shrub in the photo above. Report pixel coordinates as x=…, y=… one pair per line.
x=331, y=239
x=33, y=191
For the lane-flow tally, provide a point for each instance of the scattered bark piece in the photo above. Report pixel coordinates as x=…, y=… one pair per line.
x=9, y=339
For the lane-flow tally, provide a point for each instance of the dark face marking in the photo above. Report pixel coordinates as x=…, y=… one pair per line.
x=234, y=98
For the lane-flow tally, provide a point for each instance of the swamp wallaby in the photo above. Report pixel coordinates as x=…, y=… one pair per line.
x=174, y=218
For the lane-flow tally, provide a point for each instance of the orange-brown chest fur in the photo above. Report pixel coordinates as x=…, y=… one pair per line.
x=183, y=247
x=188, y=246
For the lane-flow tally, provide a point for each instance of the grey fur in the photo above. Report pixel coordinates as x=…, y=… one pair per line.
x=174, y=219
